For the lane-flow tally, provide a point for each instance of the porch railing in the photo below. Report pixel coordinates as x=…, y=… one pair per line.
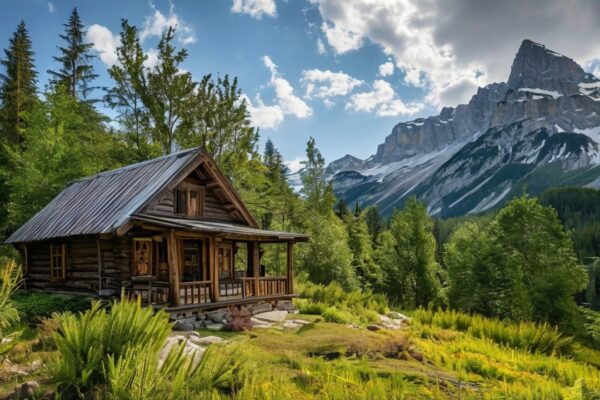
x=196, y=292
x=267, y=286
x=149, y=293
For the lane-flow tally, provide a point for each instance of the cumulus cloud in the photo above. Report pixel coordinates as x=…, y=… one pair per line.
x=327, y=84
x=51, y=8
x=386, y=69
x=255, y=8
x=321, y=46
x=157, y=23
x=287, y=100
x=151, y=58
x=382, y=100
x=296, y=164
x=104, y=42
x=443, y=46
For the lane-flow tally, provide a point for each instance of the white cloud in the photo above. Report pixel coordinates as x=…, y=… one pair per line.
x=287, y=100
x=327, y=84
x=382, y=100
x=263, y=116
x=157, y=23
x=104, y=42
x=386, y=69
x=51, y=8
x=321, y=46
x=151, y=59
x=255, y=8
x=296, y=164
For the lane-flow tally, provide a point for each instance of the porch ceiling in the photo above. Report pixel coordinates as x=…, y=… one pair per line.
x=223, y=228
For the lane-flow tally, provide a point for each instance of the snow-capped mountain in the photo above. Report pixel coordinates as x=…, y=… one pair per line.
x=540, y=128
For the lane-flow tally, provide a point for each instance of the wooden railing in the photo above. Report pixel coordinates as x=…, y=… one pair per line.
x=231, y=287
x=197, y=292
x=272, y=285
x=149, y=293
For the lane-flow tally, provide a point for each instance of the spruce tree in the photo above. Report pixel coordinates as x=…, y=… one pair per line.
x=75, y=72
x=18, y=87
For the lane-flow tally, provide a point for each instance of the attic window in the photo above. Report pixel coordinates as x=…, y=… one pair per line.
x=189, y=201
x=58, y=262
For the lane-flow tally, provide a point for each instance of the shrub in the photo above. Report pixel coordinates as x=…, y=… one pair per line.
x=531, y=337
x=86, y=342
x=10, y=278
x=34, y=306
x=332, y=314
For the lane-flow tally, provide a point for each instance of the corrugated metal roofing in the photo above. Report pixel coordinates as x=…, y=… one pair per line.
x=216, y=227
x=103, y=202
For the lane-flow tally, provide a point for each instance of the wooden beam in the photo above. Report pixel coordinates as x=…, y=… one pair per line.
x=256, y=265
x=99, y=265
x=290, y=268
x=214, y=270
x=173, y=261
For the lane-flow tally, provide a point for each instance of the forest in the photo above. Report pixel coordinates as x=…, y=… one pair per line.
x=532, y=262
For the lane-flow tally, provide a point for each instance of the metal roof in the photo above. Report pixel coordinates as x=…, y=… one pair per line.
x=225, y=228
x=103, y=202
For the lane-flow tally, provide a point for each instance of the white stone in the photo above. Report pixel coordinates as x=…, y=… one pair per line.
x=215, y=327
x=300, y=321
x=205, y=341
x=272, y=316
x=290, y=325
x=396, y=315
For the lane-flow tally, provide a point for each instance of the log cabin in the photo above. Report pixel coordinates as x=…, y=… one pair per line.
x=171, y=230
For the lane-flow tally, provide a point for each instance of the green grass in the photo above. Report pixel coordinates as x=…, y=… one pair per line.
x=35, y=305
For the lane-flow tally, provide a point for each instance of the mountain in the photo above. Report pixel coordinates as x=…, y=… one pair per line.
x=541, y=128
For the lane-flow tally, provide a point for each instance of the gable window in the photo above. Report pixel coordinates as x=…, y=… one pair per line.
x=142, y=257
x=58, y=262
x=189, y=201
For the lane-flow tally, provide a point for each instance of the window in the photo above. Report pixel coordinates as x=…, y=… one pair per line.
x=58, y=262
x=142, y=257
x=225, y=261
x=189, y=201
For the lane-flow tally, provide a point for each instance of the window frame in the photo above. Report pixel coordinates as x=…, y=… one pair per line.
x=149, y=254
x=189, y=200
x=58, y=250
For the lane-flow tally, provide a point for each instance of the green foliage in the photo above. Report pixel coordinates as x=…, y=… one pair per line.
x=521, y=265
x=530, y=337
x=32, y=306
x=361, y=246
x=406, y=254
x=75, y=73
x=89, y=341
x=10, y=279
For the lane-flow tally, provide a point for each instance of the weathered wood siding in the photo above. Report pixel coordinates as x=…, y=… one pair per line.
x=82, y=264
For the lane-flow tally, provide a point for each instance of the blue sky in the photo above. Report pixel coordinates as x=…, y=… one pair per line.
x=343, y=72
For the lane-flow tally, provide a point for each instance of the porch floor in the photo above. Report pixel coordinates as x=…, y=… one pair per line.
x=225, y=302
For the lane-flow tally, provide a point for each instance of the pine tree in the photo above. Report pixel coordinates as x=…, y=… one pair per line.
x=18, y=87
x=75, y=73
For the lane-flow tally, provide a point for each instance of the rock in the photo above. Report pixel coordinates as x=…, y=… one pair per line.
x=205, y=341
x=107, y=293
x=300, y=321
x=396, y=315
x=260, y=308
x=27, y=390
x=35, y=365
x=192, y=334
x=183, y=326
x=257, y=323
x=199, y=324
x=285, y=305
x=374, y=328
x=215, y=326
x=217, y=316
x=290, y=325
x=272, y=316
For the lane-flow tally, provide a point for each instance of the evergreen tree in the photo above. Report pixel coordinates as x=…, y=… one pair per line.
x=318, y=192
x=374, y=222
x=125, y=96
x=411, y=274
x=341, y=209
x=359, y=242
x=76, y=72
x=18, y=85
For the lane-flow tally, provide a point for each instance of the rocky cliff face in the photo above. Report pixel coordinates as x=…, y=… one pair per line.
x=474, y=157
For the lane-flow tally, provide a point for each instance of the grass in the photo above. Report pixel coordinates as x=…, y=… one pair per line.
x=32, y=306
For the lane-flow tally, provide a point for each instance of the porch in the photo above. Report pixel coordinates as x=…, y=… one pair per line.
x=192, y=267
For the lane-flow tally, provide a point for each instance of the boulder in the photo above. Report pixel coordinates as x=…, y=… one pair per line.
x=205, y=341
x=260, y=308
x=217, y=316
x=374, y=328
x=199, y=324
x=272, y=316
x=300, y=321
x=285, y=305
x=27, y=390
x=214, y=326
x=183, y=326
x=396, y=315
x=291, y=325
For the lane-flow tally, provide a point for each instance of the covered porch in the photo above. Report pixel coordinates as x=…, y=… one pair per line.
x=200, y=265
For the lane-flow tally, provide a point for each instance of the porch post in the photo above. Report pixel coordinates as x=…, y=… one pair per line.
x=290, y=268
x=172, y=252
x=256, y=263
x=214, y=269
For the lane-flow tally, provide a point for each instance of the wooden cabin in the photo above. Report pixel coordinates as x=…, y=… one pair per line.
x=171, y=230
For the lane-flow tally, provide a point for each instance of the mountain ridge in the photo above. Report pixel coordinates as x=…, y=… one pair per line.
x=547, y=113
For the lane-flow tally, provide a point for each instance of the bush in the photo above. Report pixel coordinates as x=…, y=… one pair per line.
x=527, y=336
x=10, y=278
x=332, y=314
x=33, y=306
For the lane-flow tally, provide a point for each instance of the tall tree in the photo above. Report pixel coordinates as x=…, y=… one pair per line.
x=374, y=222
x=18, y=87
x=411, y=278
x=75, y=72
x=318, y=192
x=126, y=94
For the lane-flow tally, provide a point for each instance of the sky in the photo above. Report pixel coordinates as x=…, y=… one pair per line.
x=342, y=71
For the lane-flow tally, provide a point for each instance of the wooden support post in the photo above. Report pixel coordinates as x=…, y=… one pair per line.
x=173, y=259
x=214, y=270
x=290, y=268
x=256, y=265
x=99, y=265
